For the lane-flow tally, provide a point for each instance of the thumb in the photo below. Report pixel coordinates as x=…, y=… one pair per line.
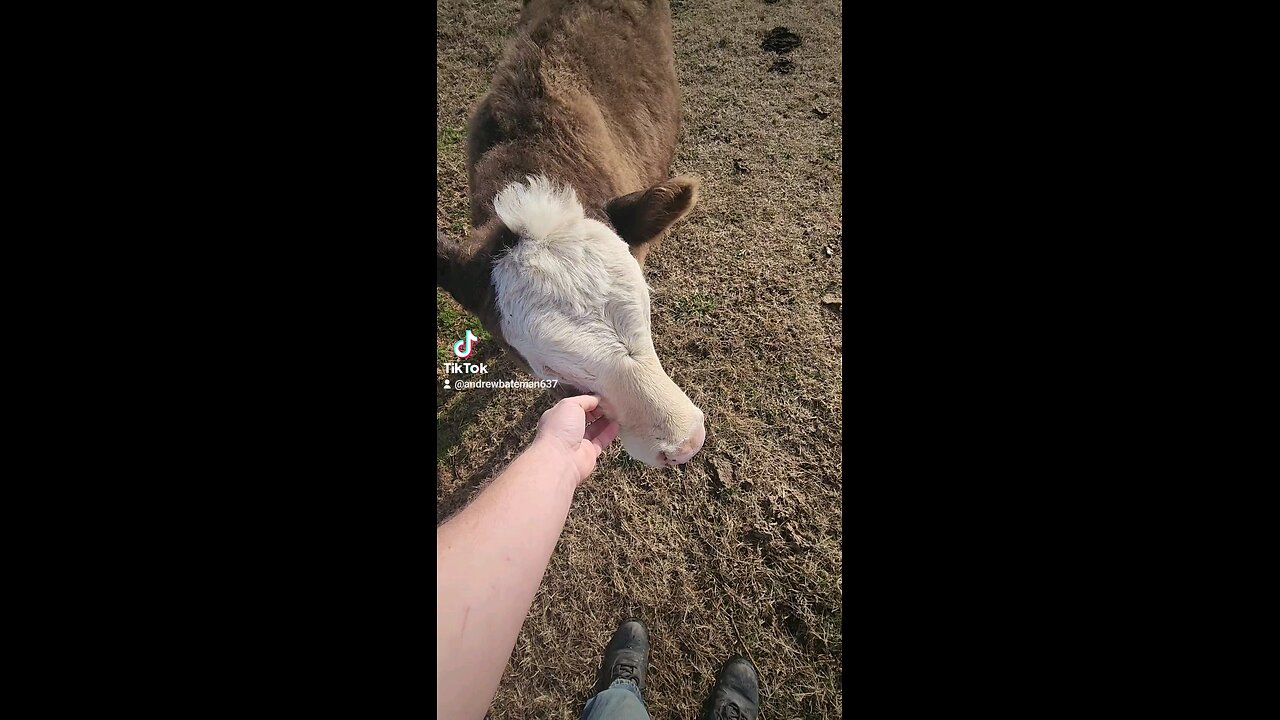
x=586, y=402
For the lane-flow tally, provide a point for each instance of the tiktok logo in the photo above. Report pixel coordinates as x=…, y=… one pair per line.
x=457, y=347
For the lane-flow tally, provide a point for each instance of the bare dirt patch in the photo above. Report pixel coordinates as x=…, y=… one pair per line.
x=739, y=551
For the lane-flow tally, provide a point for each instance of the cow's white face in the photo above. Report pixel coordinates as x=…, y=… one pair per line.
x=574, y=303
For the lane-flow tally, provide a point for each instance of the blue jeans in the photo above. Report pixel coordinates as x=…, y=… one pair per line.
x=620, y=701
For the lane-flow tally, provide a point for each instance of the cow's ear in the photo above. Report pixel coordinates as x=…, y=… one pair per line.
x=464, y=266
x=642, y=218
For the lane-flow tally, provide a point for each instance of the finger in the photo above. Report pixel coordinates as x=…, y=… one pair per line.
x=586, y=402
x=593, y=431
x=602, y=433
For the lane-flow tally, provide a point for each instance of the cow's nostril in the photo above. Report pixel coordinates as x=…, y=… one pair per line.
x=690, y=447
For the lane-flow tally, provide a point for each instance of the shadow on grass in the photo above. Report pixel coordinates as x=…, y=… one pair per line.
x=503, y=449
x=456, y=415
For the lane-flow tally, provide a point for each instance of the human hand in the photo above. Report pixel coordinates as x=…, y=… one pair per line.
x=564, y=428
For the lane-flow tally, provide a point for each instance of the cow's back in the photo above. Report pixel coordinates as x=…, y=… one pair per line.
x=585, y=94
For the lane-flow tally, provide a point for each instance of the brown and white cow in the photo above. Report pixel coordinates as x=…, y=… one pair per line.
x=568, y=158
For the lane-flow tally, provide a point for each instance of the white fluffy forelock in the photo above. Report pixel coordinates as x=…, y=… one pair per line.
x=538, y=210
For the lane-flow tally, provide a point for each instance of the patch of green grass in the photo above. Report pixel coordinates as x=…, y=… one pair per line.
x=696, y=305
x=451, y=319
x=447, y=313
x=449, y=138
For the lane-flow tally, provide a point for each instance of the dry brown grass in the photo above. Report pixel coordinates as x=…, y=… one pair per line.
x=739, y=551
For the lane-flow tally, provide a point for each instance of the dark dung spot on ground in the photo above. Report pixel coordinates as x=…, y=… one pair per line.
x=780, y=40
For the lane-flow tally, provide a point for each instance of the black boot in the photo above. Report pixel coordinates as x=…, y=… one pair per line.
x=626, y=656
x=736, y=695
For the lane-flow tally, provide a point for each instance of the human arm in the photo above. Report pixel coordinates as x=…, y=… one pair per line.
x=490, y=557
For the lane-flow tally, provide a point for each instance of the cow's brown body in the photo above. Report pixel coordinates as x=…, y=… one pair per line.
x=586, y=95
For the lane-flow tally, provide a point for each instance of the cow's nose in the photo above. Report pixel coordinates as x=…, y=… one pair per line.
x=690, y=447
